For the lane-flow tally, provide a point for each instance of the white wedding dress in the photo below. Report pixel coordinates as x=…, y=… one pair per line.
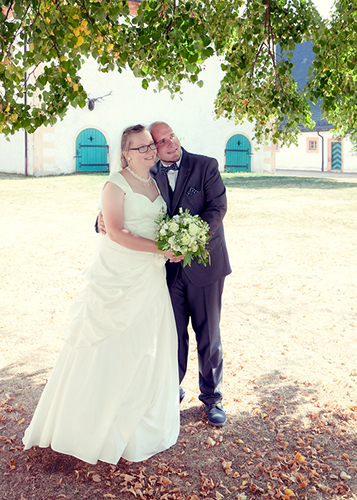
x=114, y=390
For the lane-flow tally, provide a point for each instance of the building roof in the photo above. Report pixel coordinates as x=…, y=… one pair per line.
x=302, y=59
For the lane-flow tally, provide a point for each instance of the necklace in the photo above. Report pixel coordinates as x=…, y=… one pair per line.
x=141, y=179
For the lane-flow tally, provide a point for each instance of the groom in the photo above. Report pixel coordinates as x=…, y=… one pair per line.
x=193, y=181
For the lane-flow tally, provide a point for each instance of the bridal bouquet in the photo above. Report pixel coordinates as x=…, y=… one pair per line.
x=186, y=234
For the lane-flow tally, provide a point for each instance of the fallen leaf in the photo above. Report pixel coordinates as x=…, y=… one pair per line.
x=211, y=441
x=219, y=496
x=195, y=497
x=21, y=421
x=289, y=493
x=343, y=475
x=127, y=477
x=299, y=458
x=163, y=480
x=323, y=488
x=96, y=478
x=254, y=488
x=227, y=467
x=11, y=463
x=109, y=495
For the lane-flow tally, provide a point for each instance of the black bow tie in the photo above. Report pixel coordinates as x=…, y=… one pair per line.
x=164, y=169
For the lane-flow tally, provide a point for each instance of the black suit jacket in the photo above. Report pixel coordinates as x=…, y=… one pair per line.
x=199, y=187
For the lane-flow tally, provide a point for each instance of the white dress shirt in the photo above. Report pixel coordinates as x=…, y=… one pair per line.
x=172, y=174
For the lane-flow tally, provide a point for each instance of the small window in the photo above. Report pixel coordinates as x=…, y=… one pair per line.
x=313, y=145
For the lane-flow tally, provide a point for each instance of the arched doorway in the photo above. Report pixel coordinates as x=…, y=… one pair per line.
x=91, y=151
x=238, y=154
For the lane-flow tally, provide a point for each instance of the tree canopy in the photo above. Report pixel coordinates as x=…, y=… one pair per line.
x=44, y=43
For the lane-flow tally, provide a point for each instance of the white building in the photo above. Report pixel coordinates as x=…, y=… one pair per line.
x=317, y=149
x=86, y=140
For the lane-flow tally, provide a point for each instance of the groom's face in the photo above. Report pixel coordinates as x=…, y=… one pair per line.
x=168, y=145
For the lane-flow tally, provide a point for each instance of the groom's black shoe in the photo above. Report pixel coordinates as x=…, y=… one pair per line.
x=216, y=415
x=182, y=394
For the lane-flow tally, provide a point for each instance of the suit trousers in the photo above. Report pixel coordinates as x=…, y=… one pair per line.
x=203, y=305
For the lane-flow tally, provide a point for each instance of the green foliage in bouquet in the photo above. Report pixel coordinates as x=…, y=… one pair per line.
x=185, y=234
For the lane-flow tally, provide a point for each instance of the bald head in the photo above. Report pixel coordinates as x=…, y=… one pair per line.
x=156, y=126
x=168, y=145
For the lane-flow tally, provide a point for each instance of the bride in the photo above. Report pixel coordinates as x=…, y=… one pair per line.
x=114, y=390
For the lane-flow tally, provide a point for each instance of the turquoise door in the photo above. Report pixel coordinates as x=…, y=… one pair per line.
x=238, y=154
x=336, y=156
x=91, y=151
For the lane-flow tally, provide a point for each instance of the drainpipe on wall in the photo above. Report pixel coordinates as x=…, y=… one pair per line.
x=322, y=148
x=25, y=102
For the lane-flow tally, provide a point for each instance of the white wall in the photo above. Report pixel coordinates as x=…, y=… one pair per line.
x=191, y=117
x=298, y=157
x=12, y=154
x=350, y=158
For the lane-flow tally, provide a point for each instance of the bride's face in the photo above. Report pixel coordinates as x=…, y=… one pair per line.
x=142, y=150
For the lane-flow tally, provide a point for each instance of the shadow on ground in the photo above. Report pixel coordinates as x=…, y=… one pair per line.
x=274, y=447
x=260, y=181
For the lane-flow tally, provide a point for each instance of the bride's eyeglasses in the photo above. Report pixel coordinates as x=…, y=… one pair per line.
x=144, y=149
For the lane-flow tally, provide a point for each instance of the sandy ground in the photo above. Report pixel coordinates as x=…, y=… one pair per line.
x=289, y=320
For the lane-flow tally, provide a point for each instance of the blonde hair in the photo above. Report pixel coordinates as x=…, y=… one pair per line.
x=125, y=141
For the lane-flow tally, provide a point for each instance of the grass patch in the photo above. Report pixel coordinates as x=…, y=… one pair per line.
x=268, y=181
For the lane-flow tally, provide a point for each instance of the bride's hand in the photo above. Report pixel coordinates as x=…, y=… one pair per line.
x=169, y=254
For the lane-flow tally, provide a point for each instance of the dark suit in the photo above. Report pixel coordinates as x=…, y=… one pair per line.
x=196, y=291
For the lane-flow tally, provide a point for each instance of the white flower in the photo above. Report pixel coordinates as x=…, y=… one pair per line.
x=185, y=240
x=174, y=227
x=185, y=234
x=193, y=229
